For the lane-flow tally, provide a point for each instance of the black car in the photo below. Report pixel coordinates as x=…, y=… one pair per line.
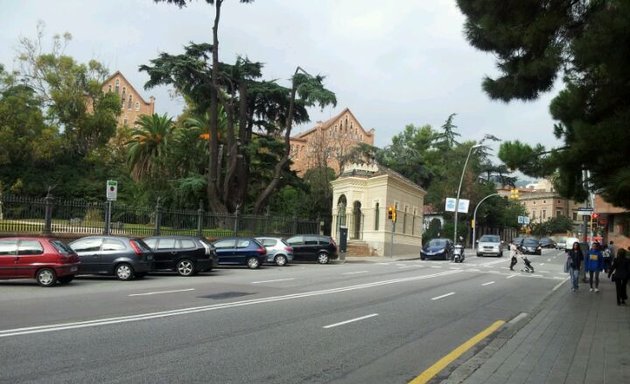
x=437, y=249
x=530, y=246
x=313, y=248
x=547, y=242
x=187, y=255
x=120, y=256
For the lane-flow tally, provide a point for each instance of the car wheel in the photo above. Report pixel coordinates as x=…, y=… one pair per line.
x=46, y=277
x=124, y=271
x=478, y=254
x=281, y=260
x=253, y=263
x=66, y=279
x=422, y=257
x=185, y=267
x=322, y=258
x=501, y=254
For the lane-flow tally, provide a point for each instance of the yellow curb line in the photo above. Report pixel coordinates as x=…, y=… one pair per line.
x=454, y=354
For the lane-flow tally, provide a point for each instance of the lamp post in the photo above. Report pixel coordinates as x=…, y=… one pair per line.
x=461, y=179
x=474, y=228
x=459, y=189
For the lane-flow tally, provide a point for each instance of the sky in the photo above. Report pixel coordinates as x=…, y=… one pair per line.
x=392, y=63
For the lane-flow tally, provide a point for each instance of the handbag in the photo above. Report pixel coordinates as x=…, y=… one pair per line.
x=567, y=264
x=613, y=277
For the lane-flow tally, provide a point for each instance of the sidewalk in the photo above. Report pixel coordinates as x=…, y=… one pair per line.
x=581, y=337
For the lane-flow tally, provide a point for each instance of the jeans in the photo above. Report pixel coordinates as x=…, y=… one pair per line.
x=590, y=278
x=575, y=277
x=622, y=295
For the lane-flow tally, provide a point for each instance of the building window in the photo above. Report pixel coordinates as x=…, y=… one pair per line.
x=544, y=214
x=405, y=220
x=109, y=88
x=129, y=102
x=558, y=213
x=117, y=85
x=377, y=214
x=125, y=121
x=574, y=216
x=533, y=215
x=137, y=106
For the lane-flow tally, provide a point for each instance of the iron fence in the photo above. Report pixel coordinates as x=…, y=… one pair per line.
x=75, y=218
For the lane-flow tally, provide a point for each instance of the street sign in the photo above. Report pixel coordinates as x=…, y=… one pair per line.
x=450, y=205
x=584, y=211
x=111, y=190
x=523, y=220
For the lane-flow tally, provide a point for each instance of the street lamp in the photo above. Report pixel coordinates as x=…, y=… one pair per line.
x=461, y=179
x=474, y=227
x=459, y=189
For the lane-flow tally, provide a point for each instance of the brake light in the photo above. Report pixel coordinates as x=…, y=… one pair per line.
x=332, y=241
x=261, y=250
x=136, y=248
x=288, y=249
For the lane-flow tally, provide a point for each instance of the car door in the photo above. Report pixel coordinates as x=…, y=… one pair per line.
x=187, y=248
x=164, y=253
x=30, y=255
x=88, y=250
x=225, y=251
x=111, y=251
x=8, y=254
x=297, y=243
x=311, y=248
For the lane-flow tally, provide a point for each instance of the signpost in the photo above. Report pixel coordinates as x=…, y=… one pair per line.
x=111, y=193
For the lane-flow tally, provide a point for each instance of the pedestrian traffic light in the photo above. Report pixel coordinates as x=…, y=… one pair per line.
x=514, y=194
x=595, y=216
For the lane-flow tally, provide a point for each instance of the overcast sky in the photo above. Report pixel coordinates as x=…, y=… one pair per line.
x=392, y=63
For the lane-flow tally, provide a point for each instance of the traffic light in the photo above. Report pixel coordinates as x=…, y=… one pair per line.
x=390, y=213
x=595, y=216
x=394, y=214
x=514, y=194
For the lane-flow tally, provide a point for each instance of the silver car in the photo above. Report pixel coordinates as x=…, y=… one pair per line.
x=490, y=245
x=278, y=251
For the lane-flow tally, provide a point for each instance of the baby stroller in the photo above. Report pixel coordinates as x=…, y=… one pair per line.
x=528, y=265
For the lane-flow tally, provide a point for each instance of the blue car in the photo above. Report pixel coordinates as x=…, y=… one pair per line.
x=240, y=251
x=441, y=249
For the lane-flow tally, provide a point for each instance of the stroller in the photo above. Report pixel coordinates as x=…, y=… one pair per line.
x=528, y=265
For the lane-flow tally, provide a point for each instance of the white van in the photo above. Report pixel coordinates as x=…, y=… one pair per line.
x=569, y=242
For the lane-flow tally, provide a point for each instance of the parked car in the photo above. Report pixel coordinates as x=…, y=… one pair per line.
x=278, y=251
x=45, y=259
x=187, y=255
x=518, y=241
x=547, y=242
x=240, y=251
x=561, y=242
x=490, y=245
x=531, y=246
x=437, y=249
x=318, y=248
x=126, y=258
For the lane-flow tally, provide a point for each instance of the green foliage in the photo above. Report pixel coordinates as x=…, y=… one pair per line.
x=560, y=224
x=533, y=41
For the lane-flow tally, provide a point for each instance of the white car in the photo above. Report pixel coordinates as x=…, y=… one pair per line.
x=490, y=245
x=569, y=242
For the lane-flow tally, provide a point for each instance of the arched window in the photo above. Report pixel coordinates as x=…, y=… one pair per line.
x=129, y=102
x=117, y=85
x=137, y=106
x=377, y=216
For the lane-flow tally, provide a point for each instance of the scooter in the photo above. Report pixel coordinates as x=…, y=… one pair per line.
x=458, y=254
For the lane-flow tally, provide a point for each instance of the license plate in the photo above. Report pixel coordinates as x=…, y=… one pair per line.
x=150, y=257
x=74, y=269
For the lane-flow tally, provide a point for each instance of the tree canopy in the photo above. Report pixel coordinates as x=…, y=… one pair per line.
x=586, y=41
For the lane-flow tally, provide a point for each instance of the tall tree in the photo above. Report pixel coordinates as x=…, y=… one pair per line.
x=214, y=200
x=149, y=144
x=586, y=40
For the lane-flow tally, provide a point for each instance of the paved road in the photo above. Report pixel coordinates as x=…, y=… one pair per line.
x=377, y=322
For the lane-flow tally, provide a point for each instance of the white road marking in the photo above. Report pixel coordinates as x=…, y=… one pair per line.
x=354, y=273
x=273, y=281
x=542, y=263
x=443, y=296
x=207, y=308
x=493, y=262
x=559, y=284
x=350, y=321
x=436, y=266
x=383, y=263
x=518, y=318
x=488, y=283
x=160, y=292
x=511, y=276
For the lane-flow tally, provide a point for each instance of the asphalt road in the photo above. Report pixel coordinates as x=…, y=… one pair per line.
x=384, y=322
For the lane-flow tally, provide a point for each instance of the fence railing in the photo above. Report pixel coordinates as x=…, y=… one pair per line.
x=72, y=218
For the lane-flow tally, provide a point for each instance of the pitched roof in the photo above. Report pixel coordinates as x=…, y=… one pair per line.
x=328, y=123
x=376, y=169
x=128, y=83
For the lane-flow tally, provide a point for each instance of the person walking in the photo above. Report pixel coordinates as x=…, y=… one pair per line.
x=574, y=261
x=620, y=272
x=513, y=252
x=594, y=264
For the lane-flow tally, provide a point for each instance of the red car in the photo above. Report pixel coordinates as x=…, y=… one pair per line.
x=44, y=259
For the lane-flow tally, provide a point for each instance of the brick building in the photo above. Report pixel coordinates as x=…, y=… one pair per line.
x=132, y=103
x=328, y=143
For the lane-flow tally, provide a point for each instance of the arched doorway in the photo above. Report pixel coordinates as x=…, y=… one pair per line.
x=341, y=210
x=356, y=213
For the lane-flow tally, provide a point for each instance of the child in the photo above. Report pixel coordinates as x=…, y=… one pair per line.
x=528, y=265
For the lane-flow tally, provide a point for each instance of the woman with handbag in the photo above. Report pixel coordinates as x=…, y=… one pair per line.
x=620, y=272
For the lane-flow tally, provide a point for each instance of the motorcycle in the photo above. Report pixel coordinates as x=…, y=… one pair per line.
x=458, y=254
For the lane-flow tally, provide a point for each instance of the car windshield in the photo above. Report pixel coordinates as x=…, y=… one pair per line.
x=437, y=243
x=530, y=242
x=490, y=239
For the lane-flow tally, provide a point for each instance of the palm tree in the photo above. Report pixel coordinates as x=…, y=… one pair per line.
x=149, y=144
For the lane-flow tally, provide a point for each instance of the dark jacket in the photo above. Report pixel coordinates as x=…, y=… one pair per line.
x=621, y=268
x=576, y=258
